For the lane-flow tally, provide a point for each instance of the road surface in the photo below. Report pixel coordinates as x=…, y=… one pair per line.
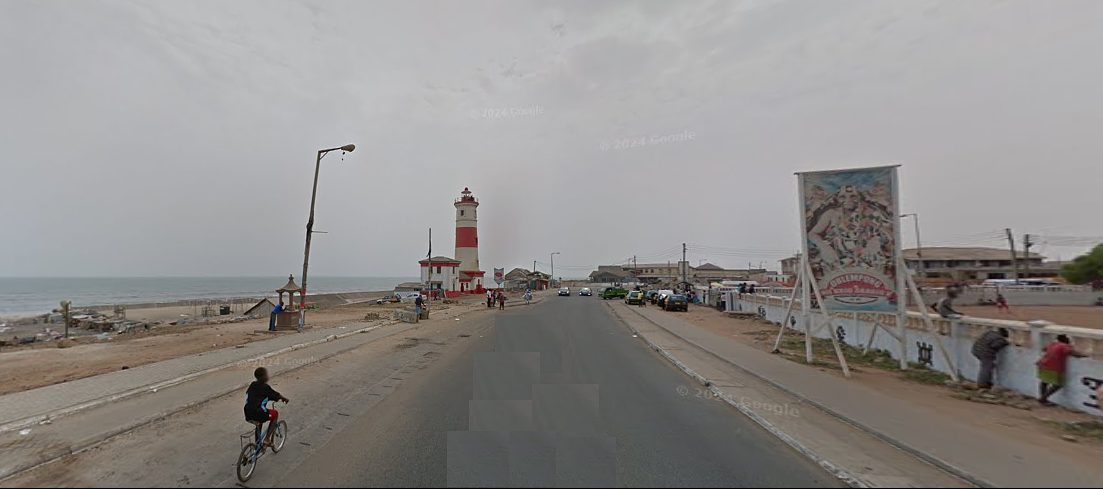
x=555, y=394
x=559, y=393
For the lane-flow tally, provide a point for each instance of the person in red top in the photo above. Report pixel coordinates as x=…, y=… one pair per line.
x=1051, y=367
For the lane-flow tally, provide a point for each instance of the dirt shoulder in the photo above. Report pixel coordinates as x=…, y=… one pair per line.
x=30, y=368
x=1076, y=435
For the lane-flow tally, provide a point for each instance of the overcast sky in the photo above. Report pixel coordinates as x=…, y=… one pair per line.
x=178, y=137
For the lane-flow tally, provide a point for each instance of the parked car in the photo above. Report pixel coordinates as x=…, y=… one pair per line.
x=614, y=293
x=564, y=291
x=634, y=297
x=586, y=292
x=676, y=302
x=651, y=296
x=660, y=298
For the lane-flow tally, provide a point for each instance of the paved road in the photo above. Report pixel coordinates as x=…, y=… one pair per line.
x=557, y=394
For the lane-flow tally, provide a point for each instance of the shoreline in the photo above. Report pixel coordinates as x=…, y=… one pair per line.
x=327, y=299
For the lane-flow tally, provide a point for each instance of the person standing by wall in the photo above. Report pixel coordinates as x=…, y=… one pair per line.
x=272, y=317
x=1051, y=367
x=501, y=300
x=987, y=350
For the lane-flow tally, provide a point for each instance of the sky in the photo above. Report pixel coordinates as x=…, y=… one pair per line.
x=177, y=138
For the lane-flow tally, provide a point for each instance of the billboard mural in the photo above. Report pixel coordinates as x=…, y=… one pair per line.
x=499, y=275
x=850, y=221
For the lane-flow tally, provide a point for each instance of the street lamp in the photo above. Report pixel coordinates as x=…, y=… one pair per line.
x=348, y=148
x=918, y=244
x=553, y=263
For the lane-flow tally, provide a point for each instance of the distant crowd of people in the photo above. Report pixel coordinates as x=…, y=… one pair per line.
x=498, y=296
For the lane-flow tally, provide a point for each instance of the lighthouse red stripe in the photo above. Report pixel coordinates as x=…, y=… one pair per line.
x=467, y=237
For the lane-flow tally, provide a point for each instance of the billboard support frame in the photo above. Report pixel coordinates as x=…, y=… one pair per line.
x=807, y=281
x=914, y=290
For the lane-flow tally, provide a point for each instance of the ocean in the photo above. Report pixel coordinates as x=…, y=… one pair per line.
x=26, y=296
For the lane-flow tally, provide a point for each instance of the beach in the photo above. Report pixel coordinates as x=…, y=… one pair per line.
x=29, y=367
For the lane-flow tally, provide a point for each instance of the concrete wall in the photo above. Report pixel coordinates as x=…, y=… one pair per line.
x=1016, y=363
x=1036, y=296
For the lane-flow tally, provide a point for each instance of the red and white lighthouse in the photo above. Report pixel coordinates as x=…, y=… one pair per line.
x=467, y=242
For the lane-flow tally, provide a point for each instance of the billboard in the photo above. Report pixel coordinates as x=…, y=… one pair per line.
x=850, y=224
x=499, y=275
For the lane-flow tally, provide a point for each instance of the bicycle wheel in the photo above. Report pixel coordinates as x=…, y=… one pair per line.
x=279, y=437
x=246, y=462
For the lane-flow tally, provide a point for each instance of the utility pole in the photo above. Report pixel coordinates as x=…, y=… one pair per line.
x=1026, y=255
x=1014, y=259
x=348, y=148
x=685, y=265
x=635, y=270
x=66, y=316
x=430, y=284
x=919, y=268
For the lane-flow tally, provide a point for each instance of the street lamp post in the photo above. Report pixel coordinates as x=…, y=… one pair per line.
x=348, y=148
x=553, y=264
x=918, y=245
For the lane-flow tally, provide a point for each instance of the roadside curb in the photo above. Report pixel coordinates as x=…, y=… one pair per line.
x=97, y=440
x=825, y=464
x=59, y=413
x=898, y=444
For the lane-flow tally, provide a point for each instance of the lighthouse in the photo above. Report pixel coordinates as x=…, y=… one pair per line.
x=467, y=242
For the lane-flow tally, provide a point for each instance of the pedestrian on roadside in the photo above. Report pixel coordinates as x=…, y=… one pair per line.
x=272, y=317
x=987, y=350
x=1001, y=304
x=501, y=301
x=489, y=298
x=1052, y=365
x=418, y=302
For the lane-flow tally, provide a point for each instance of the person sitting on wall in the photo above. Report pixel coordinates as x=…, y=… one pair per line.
x=945, y=305
x=987, y=349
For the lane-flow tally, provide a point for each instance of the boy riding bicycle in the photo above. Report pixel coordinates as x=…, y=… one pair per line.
x=257, y=398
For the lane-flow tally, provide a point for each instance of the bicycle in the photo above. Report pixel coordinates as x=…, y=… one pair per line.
x=247, y=460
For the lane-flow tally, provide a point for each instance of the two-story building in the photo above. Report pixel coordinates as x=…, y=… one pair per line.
x=963, y=264
x=976, y=263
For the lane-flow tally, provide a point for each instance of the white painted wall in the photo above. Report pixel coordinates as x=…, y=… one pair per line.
x=1016, y=363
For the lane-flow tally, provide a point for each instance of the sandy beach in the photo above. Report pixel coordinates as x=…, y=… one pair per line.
x=29, y=367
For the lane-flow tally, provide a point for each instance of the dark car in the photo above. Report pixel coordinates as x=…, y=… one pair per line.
x=676, y=302
x=651, y=296
x=586, y=292
x=565, y=292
